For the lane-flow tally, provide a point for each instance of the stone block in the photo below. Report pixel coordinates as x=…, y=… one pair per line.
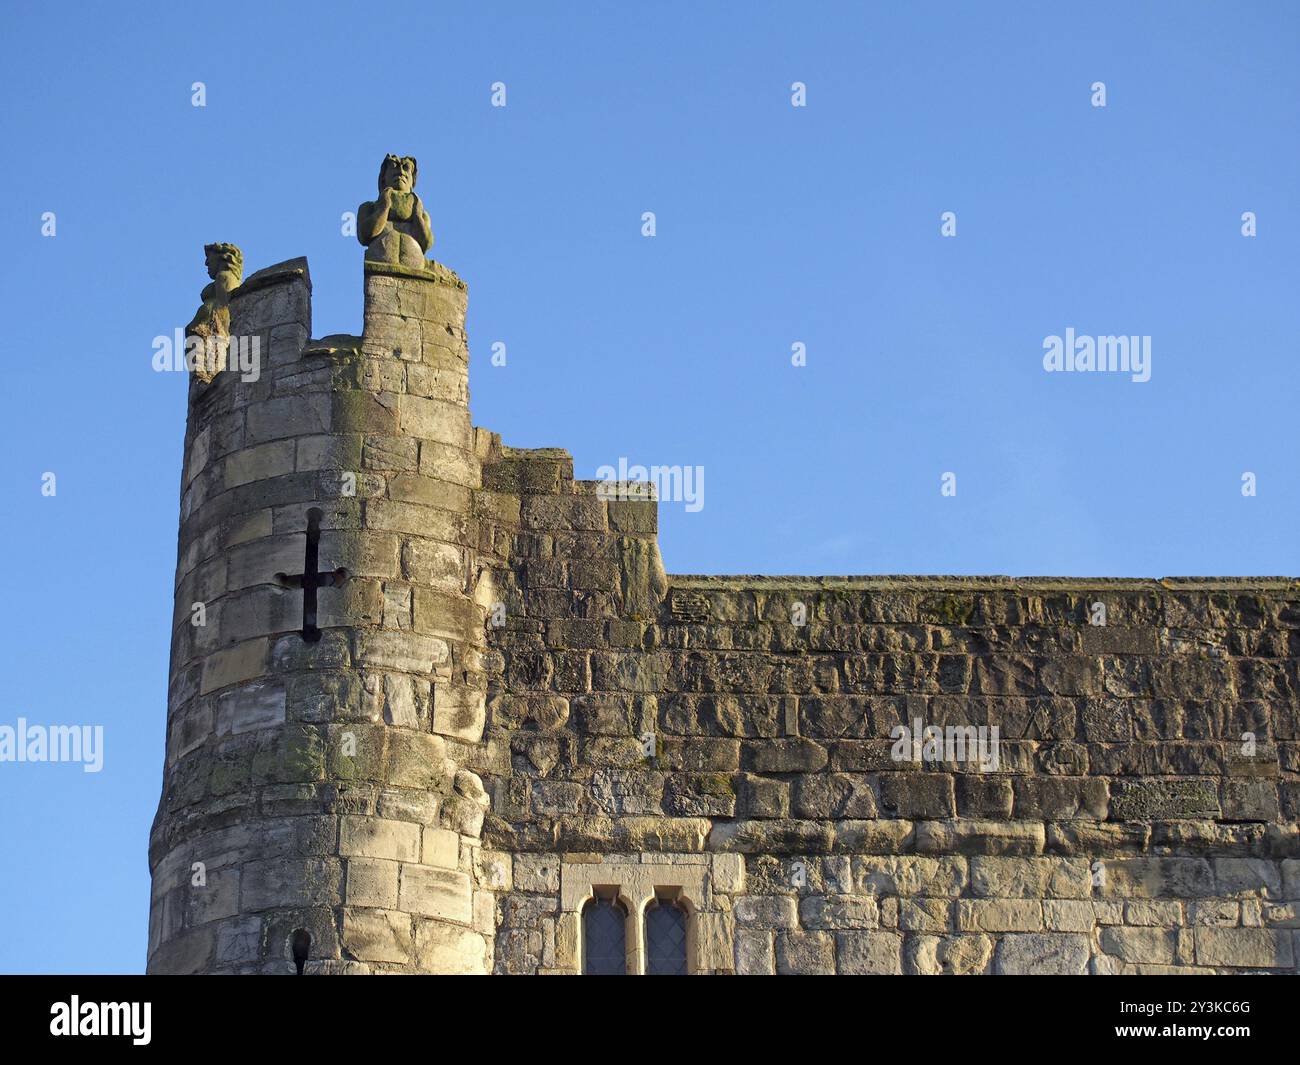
x=766, y=912
x=714, y=936
x=833, y=795
x=449, y=950
x=805, y=953
x=1250, y=800
x=287, y=416
x=564, y=513
x=372, y=837
x=1026, y=878
x=459, y=711
x=728, y=873
x=250, y=708
x=1149, y=945
x=432, y=892
x=290, y=881
x=906, y=875
x=537, y=873
x=371, y=882
x=999, y=915
x=218, y=897
x=1045, y=954
x=700, y=795
x=377, y=935
x=1162, y=799
x=1242, y=877
x=1244, y=948
x=1149, y=878
x=1152, y=913
x=238, y=941
x=763, y=796
x=924, y=915
x=932, y=955
x=793, y=755
x=755, y=953
x=185, y=954
x=407, y=652
x=434, y=563
x=1068, y=915
x=917, y=795
x=259, y=463
x=968, y=836
x=234, y=665
x=835, y=912
x=869, y=953
x=440, y=848
x=1060, y=798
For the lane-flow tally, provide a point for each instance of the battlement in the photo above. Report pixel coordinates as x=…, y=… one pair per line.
x=433, y=701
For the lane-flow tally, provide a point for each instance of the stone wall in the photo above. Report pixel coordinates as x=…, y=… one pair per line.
x=512, y=709
x=320, y=788
x=729, y=739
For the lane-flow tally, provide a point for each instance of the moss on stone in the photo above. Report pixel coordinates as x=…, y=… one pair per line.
x=948, y=610
x=716, y=785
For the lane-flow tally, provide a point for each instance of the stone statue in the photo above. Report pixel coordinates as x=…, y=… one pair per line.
x=212, y=320
x=395, y=228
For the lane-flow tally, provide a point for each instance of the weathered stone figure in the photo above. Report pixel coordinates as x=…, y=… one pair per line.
x=212, y=320
x=395, y=227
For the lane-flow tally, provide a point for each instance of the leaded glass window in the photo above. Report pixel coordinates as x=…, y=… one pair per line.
x=665, y=938
x=604, y=942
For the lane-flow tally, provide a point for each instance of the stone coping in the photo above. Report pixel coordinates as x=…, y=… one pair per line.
x=278, y=274
x=923, y=582
x=336, y=345
x=296, y=269
x=434, y=272
x=526, y=453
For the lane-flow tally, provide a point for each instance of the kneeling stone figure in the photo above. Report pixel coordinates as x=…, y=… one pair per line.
x=395, y=227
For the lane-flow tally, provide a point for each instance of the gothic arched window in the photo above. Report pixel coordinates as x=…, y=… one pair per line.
x=665, y=938
x=604, y=938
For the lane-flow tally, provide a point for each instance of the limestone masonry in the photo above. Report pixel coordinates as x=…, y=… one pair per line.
x=502, y=715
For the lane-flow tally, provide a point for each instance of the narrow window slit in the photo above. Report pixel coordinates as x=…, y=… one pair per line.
x=301, y=943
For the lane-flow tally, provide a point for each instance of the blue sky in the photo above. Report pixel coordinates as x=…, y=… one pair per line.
x=775, y=225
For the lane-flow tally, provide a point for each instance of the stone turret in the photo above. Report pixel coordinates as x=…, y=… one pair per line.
x=379, y=608
x=317, y=812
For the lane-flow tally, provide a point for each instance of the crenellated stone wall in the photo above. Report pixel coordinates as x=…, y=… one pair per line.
x=509, y=709
x=320, y=789
x=733, y=740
